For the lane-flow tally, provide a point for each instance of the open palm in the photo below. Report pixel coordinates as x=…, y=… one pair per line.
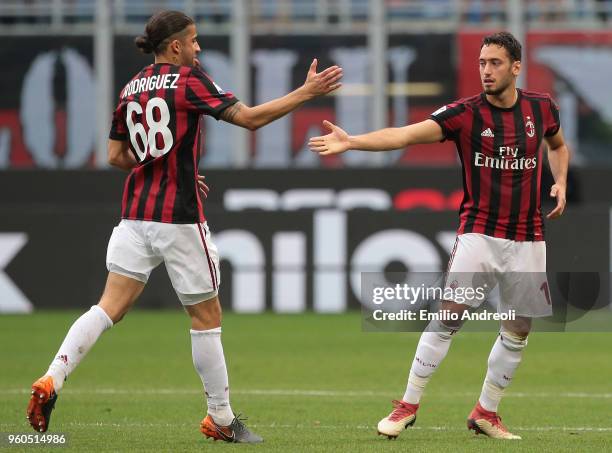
x=336, y=142
x=324, y=82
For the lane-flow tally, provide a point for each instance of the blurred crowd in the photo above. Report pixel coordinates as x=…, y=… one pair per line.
x=285, y=11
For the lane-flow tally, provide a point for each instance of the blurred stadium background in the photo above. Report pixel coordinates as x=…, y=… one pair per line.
x=294, y=231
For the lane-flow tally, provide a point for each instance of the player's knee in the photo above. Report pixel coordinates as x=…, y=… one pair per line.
x=442, y=329
x=215, y=314
x=453, y=314
x=205, y=315
x=513, y=341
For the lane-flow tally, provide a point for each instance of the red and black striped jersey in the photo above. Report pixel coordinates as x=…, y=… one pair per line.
x=159, y=112
x=501, y=155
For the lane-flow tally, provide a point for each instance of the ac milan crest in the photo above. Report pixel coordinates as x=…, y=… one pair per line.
x=530, y=127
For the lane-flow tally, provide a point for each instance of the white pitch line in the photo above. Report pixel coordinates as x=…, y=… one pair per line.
x=312, y=393
x=319, y=426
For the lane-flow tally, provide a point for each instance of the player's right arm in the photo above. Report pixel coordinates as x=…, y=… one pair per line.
x=119, y=155
x=205, y=97
x=316, y=84
x=338, y=141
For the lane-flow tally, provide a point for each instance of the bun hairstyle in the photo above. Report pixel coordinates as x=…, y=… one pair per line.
x=144, y=44
x=159, y=28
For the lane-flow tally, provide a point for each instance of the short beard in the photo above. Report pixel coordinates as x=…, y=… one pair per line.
x=496, y=91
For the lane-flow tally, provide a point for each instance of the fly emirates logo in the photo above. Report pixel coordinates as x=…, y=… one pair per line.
x=506, y=159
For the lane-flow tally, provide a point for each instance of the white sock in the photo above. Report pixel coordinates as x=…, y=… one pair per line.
x=431, y=350
x=80, y=338
x=504, y=359
x=209, y=362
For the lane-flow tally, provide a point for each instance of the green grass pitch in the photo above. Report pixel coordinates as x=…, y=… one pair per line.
x=306, y=382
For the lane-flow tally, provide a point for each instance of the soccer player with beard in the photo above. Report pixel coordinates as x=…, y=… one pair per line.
x=155, y=136
x=498, y=134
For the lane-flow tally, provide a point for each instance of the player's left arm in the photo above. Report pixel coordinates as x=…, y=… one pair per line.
x=558, y=158
x=119, y=155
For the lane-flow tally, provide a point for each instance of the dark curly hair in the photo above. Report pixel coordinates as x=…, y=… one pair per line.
x=505, y=40
x=159, y=28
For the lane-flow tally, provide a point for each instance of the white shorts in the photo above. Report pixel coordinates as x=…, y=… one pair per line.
x=137, y=247
x=519, y=268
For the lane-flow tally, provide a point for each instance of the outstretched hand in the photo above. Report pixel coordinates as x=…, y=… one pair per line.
x=318, y=84
x=335, y=142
